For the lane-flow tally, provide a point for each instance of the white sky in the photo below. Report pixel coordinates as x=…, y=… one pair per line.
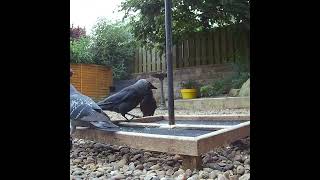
x=85, y=12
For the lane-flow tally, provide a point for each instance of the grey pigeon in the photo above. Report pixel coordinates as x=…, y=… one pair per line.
x=85, y=112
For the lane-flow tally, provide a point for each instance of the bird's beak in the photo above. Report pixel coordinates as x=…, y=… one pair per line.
x=152, y=86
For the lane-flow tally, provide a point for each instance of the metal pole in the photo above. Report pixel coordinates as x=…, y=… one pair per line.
x=163, y=104
x=168, y=5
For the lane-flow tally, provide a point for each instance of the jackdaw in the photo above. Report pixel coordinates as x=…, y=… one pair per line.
x=128, y=98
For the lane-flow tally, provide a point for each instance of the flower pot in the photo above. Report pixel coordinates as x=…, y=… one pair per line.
x=188, y=93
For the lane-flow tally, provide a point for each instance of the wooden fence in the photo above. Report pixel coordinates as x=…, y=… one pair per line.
x=92, y=80
x=222, y=45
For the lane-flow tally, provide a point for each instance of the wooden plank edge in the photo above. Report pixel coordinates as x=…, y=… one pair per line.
x=150, y=142
x=218, y=138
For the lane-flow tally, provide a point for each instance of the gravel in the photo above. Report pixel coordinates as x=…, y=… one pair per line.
x=91, y=160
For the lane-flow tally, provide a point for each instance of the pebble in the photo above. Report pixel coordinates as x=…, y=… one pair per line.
x=122, y=162
x=203, y=174
x=118, y=177
x=228, y=167
x=177, y=157
x=221, y=177
x=194, y=177
x=111, y=157
x=188, y=173
x=233, y=177
x=148, y=165
x=214, y=174
x=207, y=170
x=181, y=177
x=169, y=172
x=150, y=177
x=155, y=167
x=245, y=177
x=124, y=150
x=247, y=161
x=131, y=166
x=214, y=166
x=153, y=159
x=244, y=158
x=140, y=167
x=137, y=172
x=237, y=158
x=178, y=172
x=240, y=170
x=136, y=157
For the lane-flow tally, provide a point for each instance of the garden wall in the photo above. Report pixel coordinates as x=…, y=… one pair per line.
x=202, y=74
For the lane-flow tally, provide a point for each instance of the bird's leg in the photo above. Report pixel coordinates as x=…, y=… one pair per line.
x=124, y=115
x=134, y=116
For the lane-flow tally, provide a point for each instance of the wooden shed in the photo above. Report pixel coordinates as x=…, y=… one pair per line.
x=92, y=80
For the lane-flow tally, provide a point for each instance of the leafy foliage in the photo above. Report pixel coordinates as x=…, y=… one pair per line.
x=80, y=51
x=113, y=45
x=77, y=32
x=190, y=84
x=110, y=44
x=224, y=85
x=219, y=87
x=147, y=17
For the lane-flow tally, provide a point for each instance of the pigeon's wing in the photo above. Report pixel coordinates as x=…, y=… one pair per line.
x=93, y=104
x=79, y=107
x=99, y=119
x=81, y=111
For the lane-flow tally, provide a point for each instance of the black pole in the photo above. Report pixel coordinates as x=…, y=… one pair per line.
x=163, y=104
x=168, y=5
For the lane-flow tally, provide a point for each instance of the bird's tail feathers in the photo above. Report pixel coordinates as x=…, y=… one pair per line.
x=105, y=126
x=103, y=103
x=100, y=120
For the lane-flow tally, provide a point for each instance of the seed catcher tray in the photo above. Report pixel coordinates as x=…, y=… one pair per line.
x=191, y=136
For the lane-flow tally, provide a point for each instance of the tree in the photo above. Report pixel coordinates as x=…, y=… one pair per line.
x=81, y=50
x=77, y=33
x=147, y=17
x=113, y=45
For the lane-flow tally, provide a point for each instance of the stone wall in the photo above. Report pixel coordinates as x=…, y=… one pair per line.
x=202, y=74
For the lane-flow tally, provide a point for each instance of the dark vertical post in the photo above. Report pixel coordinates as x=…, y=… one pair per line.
x=163, y=104
x=168, y=5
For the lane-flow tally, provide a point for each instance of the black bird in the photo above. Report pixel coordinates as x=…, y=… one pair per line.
x=148, y=105
x=128, y=98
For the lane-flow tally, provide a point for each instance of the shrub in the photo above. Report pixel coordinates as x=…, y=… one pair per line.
x=238, y=80
x=206, y=91
x=190, y=84
x=223, y=86
x=80, y=51
x=77, y=32
x=113, y=45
